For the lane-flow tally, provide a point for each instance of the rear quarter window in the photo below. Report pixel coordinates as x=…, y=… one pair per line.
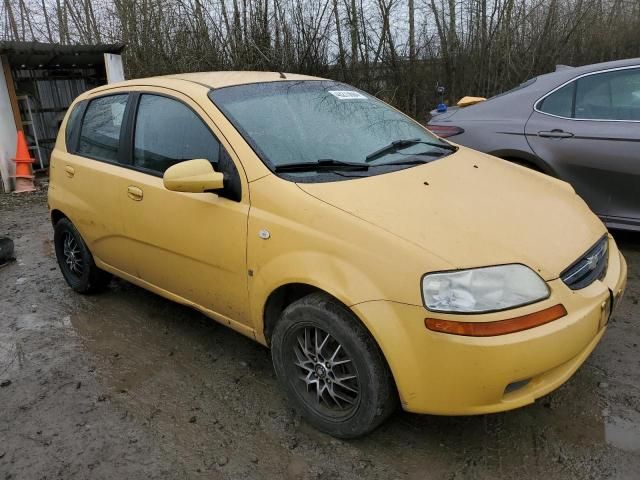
x=73, y=124
x=560, y=102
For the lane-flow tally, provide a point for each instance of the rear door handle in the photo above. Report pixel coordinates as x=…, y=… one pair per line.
x=69, y=170
x=134, y=193
x=556, y=133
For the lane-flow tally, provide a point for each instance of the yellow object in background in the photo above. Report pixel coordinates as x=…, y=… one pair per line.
x=468, y=101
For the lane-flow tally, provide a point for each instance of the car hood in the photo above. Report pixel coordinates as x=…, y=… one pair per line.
x=472, y=210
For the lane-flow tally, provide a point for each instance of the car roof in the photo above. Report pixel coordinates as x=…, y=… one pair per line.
x=593, y=67
x=210, y=80
x=230, y=78
x=566, y=73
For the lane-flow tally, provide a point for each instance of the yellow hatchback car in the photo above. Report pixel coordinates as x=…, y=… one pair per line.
x=376, y=260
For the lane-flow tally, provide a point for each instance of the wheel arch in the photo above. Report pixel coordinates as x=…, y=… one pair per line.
x=56, y=216
x=526, y=159
x=283, y=296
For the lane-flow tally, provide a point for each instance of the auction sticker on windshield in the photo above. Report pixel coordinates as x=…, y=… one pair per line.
x=347, y=95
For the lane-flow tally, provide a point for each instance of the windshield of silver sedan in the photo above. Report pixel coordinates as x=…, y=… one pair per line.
x=316, y=128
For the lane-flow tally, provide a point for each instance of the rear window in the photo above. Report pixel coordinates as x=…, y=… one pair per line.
x=524, y=84
x=100, y=134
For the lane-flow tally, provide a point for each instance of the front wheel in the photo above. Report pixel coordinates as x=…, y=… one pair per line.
x=331, y=368
x=75, y=259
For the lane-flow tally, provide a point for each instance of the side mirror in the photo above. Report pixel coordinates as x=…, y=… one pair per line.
x=192, y=176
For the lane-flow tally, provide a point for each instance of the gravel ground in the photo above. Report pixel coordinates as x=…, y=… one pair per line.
x=125, y=384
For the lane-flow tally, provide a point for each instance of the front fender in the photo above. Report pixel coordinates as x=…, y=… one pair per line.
x=293, y=237
x=331, y=274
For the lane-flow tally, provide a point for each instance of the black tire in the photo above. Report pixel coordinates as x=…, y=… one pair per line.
x=6, y=250
x=76, y=262
x=356, y=395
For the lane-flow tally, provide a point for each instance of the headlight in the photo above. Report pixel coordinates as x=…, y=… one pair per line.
x=483, y=289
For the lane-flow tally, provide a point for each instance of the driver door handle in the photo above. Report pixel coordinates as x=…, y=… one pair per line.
x=134, y=193
x=556, y=133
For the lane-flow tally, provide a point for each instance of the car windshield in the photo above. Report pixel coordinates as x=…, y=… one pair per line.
x=305, y=122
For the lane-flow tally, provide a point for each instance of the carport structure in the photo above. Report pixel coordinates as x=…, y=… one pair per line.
x=38, y=82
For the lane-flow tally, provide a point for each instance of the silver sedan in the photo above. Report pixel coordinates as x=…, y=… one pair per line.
x=581, y=125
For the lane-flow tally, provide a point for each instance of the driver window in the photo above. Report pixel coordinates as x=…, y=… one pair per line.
x=168, y=132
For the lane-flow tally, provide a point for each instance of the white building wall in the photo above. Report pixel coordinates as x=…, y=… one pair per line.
x=8, y=136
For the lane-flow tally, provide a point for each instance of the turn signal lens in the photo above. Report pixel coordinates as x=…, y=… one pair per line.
x=499, y=327
x=444, y=131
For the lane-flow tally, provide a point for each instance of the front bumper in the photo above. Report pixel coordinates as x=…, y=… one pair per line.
x=446, y=374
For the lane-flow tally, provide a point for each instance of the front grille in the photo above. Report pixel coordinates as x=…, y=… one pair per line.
x=589, y=267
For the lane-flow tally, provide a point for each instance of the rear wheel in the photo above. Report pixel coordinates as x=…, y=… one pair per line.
x=75, y=259
x=331, y=368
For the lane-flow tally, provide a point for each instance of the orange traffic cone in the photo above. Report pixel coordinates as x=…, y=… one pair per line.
x=24, y=176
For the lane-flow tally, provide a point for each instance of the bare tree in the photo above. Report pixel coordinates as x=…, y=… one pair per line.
x=397, y=50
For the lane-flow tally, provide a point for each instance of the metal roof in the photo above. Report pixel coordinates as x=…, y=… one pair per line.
x=43, y=55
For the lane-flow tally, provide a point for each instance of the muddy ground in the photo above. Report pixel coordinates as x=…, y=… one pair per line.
x=125, y=384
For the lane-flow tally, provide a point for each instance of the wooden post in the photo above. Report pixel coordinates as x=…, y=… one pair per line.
x=15, y=108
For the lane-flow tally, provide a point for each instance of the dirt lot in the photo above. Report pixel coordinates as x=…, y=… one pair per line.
x=125, y=384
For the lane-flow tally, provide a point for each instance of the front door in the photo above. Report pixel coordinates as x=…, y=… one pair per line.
x=589, y=131
x=190, y=245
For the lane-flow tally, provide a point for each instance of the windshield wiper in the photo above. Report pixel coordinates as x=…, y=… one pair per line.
x=415, y=161
x=322, y=164
x=399, y=144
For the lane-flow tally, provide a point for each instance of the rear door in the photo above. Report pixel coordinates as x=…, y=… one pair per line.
x=588, y=130
x=190, y=245
x=87, y=176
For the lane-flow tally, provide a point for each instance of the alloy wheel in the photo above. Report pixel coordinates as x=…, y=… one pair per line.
x=72, y=255
x=328, y=380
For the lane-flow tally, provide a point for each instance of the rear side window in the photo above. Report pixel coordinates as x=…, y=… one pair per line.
x=560, y=102
x=168, y=132
x=100, y=134
x=609, y=96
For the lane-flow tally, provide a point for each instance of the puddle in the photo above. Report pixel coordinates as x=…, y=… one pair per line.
x=40, y=319
x=622, y=434
x=144, y=341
